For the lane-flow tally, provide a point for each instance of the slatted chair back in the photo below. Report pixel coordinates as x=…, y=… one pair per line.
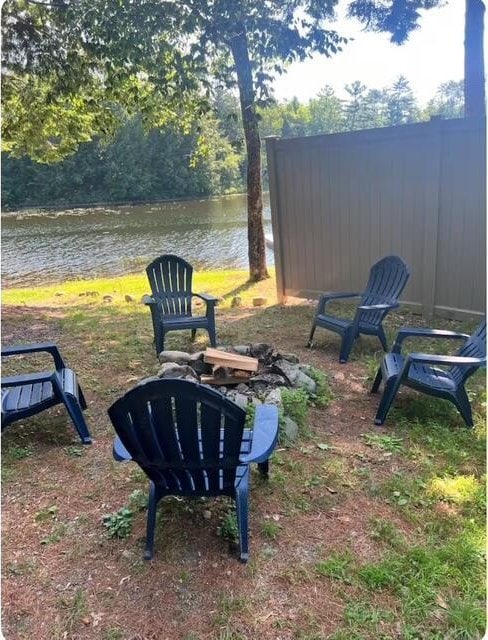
x=170, y=278
x=185, y=436
x=474, y=347
x=387, y=279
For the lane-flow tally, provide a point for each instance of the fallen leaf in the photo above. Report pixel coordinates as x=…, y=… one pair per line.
x=330, y=490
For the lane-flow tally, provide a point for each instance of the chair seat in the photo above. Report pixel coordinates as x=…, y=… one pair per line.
x=29, y=396
x=339, y=325
x=184, y=321
x=419, y=375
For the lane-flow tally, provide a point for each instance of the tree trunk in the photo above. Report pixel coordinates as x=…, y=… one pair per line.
x=474, y=72
x=255, y=229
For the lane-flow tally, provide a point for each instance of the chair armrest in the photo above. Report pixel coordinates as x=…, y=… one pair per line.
x=39, y=347
x=327, y=297
x=407, y=332
x=149, y=300
x=265, y=434
x=460, y=361
x=379, y=307
x=206, y=297
x=119, y=452
x=28, y=378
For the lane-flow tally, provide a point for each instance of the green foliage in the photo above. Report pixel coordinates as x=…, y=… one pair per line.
x=119, y=524
x=385, y=531
x=18, y=453
x=270, y=529
x=466, y=618
x=75, y=452
x=459, y=489
x=363, y=613
x=203, y=157
x=337, y=566
x=393, y=444
x=138, y=500
x=323, y=394
x=295, y=402
x=228, y=528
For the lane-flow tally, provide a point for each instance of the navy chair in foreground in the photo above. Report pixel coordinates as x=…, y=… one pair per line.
x=416, y=371
x=387, y=279
x=191, y=441
x=27, y=394
x=170, y=278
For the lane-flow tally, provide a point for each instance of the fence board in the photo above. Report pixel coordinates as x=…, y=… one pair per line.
x=339, y=202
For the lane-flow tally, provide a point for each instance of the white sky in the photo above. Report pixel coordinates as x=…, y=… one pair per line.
x=433, y=54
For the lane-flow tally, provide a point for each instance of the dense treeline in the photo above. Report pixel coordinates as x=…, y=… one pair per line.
x=210, y=158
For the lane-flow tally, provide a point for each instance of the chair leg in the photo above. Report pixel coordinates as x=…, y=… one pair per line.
x=159, y=341
x=151, y=521
x=382, y=338
x=242, y=519
x=463, y=405
x=264, y=468
x=82, y=398
x=346, y=346
x=389, y=393
x=310, y=339
x=211, y=331
x=193, y=334
x=377, y=381
x=76, y=414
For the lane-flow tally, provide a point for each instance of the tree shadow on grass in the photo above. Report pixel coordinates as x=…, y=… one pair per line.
x=237, y=290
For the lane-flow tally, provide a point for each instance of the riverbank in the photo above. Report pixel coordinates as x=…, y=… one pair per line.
x=60, y=206
x=226, y=284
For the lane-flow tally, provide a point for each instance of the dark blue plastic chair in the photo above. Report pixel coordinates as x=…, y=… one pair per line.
x=191, y=441
x=416, y=371
x=170, y=278
x=387, y=279
x=28, y=394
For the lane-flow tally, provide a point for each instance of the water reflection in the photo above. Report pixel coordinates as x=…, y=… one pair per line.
x=81, y=243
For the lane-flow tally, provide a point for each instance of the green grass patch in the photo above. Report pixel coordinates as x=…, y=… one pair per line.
x=338, y=566
x=419, y=574
x=225, y=283
x=390, y=443
x=270, y=529
x=459, y=489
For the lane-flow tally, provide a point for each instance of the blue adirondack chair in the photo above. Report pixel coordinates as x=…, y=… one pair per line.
x=416, y=371
x=28, y=394
x=387, y=279
x=191, y=441
x=170, y=278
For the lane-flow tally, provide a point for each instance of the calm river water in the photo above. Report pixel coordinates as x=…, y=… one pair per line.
x=51, y=246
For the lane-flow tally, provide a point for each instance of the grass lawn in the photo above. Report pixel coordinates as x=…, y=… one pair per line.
x=361, y=532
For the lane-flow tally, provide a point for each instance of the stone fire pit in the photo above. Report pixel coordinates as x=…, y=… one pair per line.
x=276, y=371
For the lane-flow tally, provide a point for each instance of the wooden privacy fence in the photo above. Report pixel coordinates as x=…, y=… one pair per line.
x=340, y=202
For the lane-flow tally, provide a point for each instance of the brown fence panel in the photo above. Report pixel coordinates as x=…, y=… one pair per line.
x=339, y=202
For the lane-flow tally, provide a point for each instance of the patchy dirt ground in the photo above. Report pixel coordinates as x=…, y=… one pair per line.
x=62, y=576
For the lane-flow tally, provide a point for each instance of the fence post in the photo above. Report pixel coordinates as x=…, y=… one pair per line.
x=432, y=224
x=275, y=215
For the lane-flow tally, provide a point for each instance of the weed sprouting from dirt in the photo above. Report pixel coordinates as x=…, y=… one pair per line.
x=119, y=524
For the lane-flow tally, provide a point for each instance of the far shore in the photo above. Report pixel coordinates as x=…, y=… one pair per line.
x=118, y=203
